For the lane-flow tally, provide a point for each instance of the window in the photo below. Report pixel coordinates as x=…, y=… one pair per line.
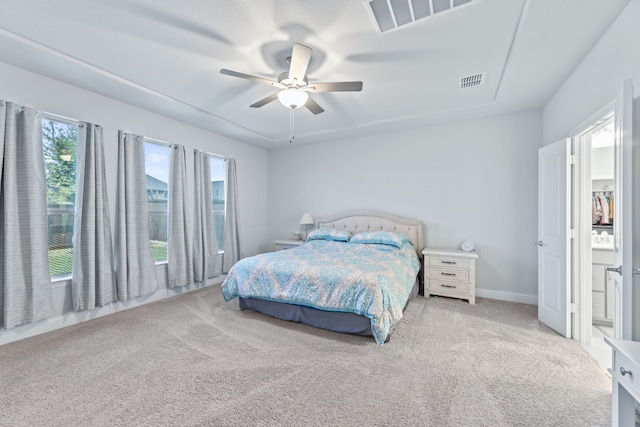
x=59, y=143
x=218, y=196
x=157, y=164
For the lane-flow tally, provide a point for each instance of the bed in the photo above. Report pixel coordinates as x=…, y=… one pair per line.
x=355, y=274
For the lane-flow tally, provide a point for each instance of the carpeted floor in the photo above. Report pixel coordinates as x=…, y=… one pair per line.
x=194, y=360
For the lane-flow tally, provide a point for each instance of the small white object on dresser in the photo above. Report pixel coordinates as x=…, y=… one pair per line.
x=287, y=244
x=450, y=273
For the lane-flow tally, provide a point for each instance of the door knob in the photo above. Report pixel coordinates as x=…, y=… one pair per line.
x=539, y=243
x=615, y=269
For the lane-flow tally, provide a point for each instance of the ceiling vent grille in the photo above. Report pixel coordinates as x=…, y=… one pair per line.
x=472, y=81
x=391, y=14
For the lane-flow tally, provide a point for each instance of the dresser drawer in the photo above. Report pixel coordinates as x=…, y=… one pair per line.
x=448, y=262
x=449, y=274
x=446, y=286
x=620, y=360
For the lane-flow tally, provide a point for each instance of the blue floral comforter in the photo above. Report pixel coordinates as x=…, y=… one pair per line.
x=374, y=280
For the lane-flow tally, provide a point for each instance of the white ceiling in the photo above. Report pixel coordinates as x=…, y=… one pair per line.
x=165, y=56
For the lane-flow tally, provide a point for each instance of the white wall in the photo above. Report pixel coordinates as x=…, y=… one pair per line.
x=597, y=79
x=474, y=180
x=51, y=96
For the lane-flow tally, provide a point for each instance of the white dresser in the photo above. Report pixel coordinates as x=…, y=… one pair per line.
x=287, y=244
x=625, y=378
x=450, y=273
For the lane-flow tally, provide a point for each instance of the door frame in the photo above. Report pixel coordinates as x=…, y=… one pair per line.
x=581, y=259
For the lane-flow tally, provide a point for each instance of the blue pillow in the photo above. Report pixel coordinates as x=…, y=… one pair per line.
x=390, y=238
x=329, y=234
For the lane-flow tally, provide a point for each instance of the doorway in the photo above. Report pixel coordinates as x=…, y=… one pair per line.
x=594, y=217
x=594, y=214
x=565, y=190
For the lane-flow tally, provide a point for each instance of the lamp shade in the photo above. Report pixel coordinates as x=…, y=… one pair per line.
x=292, y=97
x=306, y=219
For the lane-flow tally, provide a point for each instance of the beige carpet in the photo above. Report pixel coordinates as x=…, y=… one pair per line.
x=195, y=360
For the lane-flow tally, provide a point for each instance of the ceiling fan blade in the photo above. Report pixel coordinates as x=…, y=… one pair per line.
x=264, y=101
x=300, y=57
x=335, y=87
x=313, y=106
x=252, y=78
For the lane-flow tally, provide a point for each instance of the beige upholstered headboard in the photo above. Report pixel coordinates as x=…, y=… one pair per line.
x=358, y=221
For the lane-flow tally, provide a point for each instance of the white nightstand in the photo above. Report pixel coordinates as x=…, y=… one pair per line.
x=287, y=244
x=450, y=273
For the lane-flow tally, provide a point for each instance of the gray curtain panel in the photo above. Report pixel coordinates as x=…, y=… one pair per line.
x=207, y=263
x=93, y=281
x=134, y=264
x=25, y=280
x=180, y=267
x=232, y=248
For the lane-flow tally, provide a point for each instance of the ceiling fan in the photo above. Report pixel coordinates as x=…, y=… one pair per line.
x=294, y=86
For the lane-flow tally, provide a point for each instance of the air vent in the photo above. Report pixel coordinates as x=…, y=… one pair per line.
x=391, y=14
x=472, y=81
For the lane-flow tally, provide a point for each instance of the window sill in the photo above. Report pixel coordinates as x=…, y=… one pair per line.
x=60, y=281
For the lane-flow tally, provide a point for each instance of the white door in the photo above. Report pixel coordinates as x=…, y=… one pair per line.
x=554, y=196
x=623, y=219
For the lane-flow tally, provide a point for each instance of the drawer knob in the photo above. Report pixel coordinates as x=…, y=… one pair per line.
x=624, y=371
x=448, y=262
x=448, y=274
x=448, y=286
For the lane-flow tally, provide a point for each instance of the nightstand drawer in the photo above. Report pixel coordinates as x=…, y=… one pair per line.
x=443, y=285
x=448, y=262
x=448, y=274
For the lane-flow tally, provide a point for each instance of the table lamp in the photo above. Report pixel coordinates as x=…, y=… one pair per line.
x=306, y=220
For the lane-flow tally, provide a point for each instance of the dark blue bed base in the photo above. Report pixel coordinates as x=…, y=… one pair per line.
x=348, y=323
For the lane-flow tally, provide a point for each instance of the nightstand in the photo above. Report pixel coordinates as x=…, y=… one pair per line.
x=450, y=273
x=287, y=244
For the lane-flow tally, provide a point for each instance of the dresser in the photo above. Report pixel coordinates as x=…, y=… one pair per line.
x=450, y=273
x=287, y=244
x=625, y=392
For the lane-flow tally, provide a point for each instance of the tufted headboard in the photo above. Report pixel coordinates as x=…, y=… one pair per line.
x=357, y=221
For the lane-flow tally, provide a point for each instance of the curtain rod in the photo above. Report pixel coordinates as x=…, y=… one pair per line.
x=158, y=141
x=217, y=155
x=61, y=118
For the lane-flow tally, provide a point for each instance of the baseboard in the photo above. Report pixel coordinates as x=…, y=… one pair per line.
x=507, y=296
x=74, y=318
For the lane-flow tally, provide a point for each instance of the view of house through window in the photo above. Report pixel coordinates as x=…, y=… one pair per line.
x=157, y=165
x=218, y=196
x=59, y=143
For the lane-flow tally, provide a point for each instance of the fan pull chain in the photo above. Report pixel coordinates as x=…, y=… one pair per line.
x=291, y=136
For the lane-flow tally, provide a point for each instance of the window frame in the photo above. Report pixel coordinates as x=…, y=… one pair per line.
x=167, y=145
x=219, y=237
x=44, y=116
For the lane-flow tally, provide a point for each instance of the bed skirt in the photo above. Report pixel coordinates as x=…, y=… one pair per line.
x=348, y=323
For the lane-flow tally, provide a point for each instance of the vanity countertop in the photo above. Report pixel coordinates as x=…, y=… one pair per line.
x=602, y=246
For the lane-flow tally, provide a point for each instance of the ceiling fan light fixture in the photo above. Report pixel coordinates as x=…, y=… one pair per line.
x=292, y=97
